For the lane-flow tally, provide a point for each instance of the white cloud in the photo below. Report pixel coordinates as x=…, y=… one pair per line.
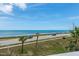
x=8, y=7
x=37, y=4
x=73, y=17
x=21, y=5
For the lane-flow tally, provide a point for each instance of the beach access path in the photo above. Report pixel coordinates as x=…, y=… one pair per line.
x=75, y=53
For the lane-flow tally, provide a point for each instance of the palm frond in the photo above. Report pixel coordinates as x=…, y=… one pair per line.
x=21, y=38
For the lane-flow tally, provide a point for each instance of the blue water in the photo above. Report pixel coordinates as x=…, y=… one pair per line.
x=5, y=33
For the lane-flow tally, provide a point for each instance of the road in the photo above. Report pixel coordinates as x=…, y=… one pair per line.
x=16, y=40
x=29, y=42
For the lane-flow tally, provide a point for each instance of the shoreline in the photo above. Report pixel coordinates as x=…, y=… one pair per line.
x=40, y=34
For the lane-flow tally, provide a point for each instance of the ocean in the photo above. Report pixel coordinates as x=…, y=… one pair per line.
x=6, y=33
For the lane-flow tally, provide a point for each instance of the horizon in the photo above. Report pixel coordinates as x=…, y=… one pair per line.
x=38, y=16
x=30, y=30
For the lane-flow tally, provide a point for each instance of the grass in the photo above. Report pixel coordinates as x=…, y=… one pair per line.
x=44, y=48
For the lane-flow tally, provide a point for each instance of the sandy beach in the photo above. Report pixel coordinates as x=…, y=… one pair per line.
x=16, y=40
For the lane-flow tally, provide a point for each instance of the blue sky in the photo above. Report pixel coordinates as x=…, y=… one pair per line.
x=45, y=16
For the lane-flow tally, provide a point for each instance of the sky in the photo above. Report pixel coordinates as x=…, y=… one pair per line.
x=38, y=16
